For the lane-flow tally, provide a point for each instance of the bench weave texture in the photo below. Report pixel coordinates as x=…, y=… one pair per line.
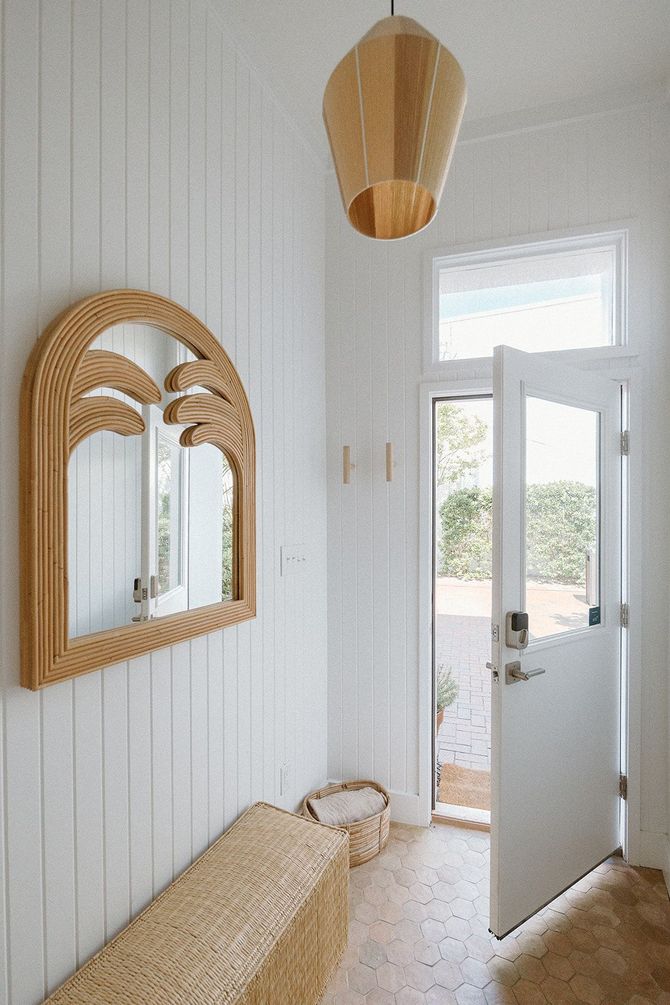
x=261, y=919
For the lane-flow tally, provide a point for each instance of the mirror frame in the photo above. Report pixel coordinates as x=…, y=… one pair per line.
x=56, y=415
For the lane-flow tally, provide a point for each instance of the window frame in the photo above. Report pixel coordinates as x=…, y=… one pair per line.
x=498, y=252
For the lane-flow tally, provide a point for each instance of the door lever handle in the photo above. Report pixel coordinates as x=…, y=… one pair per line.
x=514, y=673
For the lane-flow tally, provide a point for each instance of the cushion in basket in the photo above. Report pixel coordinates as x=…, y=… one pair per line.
x=348, y=806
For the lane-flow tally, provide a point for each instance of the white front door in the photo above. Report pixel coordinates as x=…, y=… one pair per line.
x=556, y=702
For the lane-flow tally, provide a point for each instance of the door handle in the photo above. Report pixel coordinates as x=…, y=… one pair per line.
x=514, y=673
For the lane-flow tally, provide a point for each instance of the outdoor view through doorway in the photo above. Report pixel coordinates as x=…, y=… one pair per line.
x=561, y=519
x=463, y=478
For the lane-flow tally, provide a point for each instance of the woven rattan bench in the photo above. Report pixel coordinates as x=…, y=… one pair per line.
x=259, y=919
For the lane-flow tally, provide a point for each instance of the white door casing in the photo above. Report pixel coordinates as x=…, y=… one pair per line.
x=556, y=736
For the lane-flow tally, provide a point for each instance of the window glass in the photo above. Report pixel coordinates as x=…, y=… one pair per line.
x=538, y=303
x=561, y=517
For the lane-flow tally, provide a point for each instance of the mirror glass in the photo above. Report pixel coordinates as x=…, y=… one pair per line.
x=150, y=522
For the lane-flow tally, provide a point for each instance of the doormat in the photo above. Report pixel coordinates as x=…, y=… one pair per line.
x=465, y=787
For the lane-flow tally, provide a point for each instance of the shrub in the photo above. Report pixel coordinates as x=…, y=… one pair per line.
x=446, y=688
x=465, y=542
x=560, y=529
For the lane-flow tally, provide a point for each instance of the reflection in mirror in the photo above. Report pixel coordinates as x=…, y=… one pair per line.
x=150, y=522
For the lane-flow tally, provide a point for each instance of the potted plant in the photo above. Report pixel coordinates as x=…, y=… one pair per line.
x=446, y=690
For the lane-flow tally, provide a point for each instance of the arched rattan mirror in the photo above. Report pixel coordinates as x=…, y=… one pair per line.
x=137, y=484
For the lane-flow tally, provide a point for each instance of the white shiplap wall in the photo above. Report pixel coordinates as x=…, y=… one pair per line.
x=586, y=170
x=140, y=149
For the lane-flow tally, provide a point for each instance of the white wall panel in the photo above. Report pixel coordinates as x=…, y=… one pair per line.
x=569, y=174
x=141, y=149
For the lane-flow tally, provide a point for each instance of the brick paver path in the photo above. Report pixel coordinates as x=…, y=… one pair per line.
x=463, y=643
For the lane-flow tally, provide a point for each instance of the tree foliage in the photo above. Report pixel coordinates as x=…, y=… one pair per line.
x=458, y=435
x=227, y=534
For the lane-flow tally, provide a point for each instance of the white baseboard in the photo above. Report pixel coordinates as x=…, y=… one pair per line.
x=655, y=853
x=405, y=807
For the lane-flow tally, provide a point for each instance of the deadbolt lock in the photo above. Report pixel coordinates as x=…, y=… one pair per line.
x=516, y=630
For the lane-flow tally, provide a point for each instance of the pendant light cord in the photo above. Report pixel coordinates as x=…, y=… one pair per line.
x=392, y=7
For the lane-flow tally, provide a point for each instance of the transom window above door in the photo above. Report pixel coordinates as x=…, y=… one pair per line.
x=550, y=296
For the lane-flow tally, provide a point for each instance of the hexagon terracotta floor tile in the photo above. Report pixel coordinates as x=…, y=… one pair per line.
x=419, y=933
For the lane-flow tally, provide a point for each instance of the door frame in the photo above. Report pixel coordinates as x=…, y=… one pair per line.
x=477, y=383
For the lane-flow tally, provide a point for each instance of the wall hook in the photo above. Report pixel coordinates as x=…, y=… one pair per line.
x=347, y=466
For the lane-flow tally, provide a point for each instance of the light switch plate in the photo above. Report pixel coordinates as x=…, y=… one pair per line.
x=293, y=558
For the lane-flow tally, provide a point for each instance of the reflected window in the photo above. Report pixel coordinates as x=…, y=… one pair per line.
x=169, y=533
x=227, y=533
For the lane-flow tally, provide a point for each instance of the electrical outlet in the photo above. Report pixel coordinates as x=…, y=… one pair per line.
x=293, y=558
x=284, y=779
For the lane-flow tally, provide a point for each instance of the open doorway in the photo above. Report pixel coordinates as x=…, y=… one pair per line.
x=462, y=571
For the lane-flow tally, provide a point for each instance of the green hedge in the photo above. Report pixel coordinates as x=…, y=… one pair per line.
x=561, y=519
x=465, y=542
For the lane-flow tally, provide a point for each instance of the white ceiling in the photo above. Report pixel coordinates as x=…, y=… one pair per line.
x=516, y=54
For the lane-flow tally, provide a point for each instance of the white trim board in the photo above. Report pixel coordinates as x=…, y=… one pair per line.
x=622, y=234
x=548, y=116
x=631, y=586
x=655, y=853
x=404, y=806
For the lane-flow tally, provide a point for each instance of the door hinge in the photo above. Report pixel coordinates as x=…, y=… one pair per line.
x=624, y=616
x=625, y=443
x=623, y=786
x=495, y=632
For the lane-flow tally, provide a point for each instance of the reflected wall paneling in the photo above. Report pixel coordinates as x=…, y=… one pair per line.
x=112, y=783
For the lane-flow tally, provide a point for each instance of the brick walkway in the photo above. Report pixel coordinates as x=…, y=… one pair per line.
x=463, y=644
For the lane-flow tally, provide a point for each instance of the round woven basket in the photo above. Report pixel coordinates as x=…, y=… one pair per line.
x=366, y=837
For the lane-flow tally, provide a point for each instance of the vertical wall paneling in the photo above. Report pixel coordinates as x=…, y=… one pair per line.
x=265, y=470
x=22, y=725
x=365, y=452
x=115, y=797
x=141, y=149
x=57, y=776
x=278, y=292
x=379, y=536
x=397, y=510
x=161, y=770
x=242, y=362
x=568, y=174
x=254, y=706
x=335, y=441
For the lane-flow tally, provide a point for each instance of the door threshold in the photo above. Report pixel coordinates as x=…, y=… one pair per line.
x=462, y=816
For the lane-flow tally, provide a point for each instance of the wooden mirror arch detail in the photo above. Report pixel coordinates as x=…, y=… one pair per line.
x=56, y=415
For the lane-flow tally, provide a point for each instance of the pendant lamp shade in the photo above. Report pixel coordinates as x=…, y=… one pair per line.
x=392, y=109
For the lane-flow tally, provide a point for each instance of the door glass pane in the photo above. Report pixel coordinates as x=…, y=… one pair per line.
x=168, y=522
x=562, y=517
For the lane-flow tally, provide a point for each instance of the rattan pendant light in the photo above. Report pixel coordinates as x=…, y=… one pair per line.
x=392, y=109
